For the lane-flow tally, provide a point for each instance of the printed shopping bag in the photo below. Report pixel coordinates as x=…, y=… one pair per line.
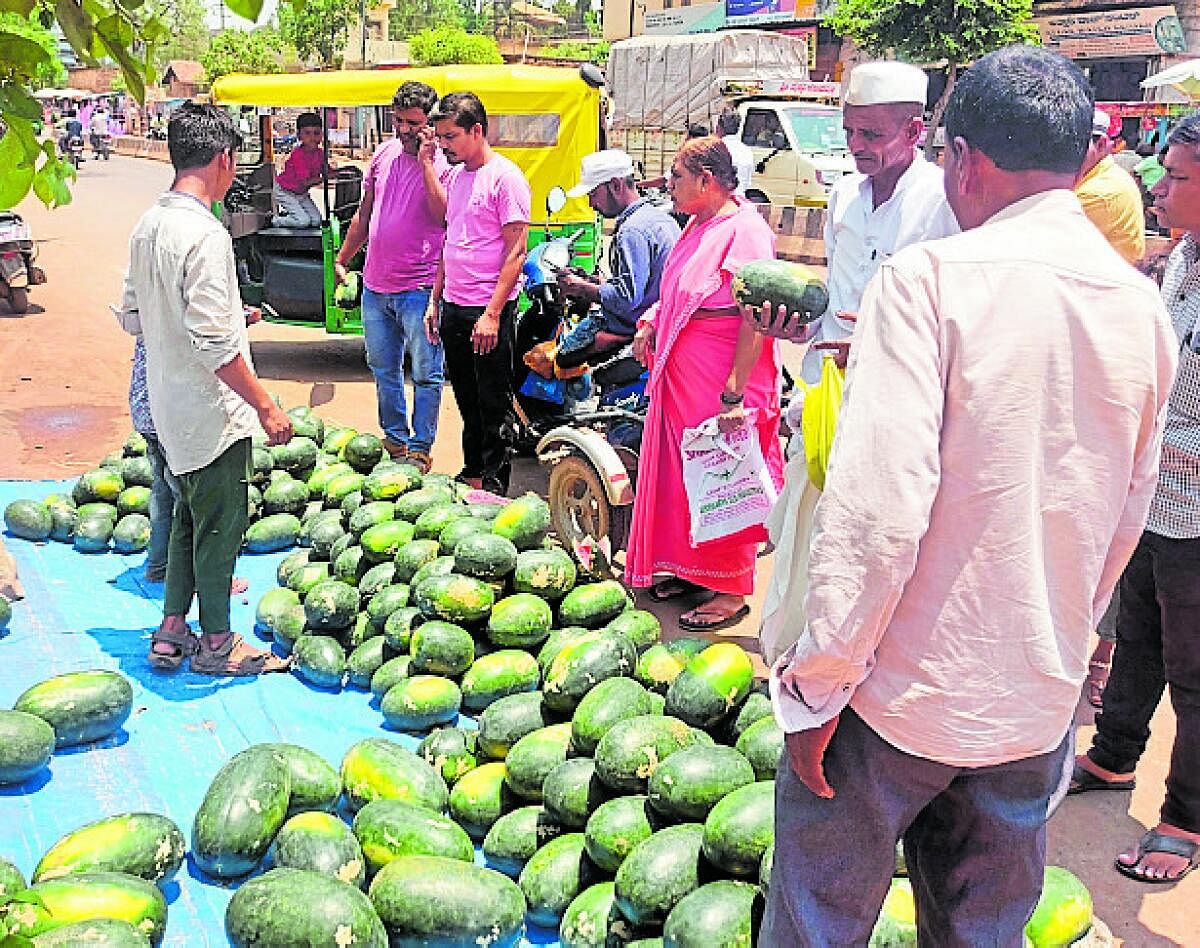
x=726, y=479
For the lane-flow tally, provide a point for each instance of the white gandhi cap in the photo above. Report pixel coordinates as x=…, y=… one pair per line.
x=881, y=83
x=599, y=167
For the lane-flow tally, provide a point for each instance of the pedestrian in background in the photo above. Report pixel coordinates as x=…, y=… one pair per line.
x=728, y=125
x=473, y=305
x=704, y=362
x=1158, y=622
x=181, y=297
x=402, y=222
x=982, y=498
x=1110, y=196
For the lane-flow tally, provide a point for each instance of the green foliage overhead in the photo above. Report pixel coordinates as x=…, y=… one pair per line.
x=442, y=46
x=319, y=28
x=188, y=29
x=51, y=73
x=252, y=51
x=928, y=31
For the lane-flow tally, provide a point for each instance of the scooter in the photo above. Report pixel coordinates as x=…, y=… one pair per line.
x=17, y=253
x=101, y=145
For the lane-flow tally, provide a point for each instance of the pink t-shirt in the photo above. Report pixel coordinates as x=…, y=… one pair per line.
x=404, y=240
x=479, y=204
x=302, y=165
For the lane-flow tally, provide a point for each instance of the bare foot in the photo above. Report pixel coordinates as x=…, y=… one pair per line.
x=238, y=586
x=1160, y=866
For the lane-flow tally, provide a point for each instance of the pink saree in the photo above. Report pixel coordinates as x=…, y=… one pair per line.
x=690, y=365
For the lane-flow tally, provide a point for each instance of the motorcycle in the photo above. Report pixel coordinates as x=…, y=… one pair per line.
x=101, y=145
x=17, y=253
x=73, y=150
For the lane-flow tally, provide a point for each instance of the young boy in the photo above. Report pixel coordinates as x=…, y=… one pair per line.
x=300, y=172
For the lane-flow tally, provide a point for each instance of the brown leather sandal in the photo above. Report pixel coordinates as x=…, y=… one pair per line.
x=236, y=659
x=182, y=643
x=420, y=460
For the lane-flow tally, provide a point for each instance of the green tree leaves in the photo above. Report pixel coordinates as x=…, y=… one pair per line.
x=254, y=51
x=319, y=28
x=443, y=45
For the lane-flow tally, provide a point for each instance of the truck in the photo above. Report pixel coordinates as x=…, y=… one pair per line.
x=659, y=85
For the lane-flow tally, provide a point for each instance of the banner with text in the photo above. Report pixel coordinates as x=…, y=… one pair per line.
x=698, y=18
x=1143, y=31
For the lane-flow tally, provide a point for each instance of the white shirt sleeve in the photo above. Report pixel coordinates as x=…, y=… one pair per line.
x=884, y=474
x=213, y=328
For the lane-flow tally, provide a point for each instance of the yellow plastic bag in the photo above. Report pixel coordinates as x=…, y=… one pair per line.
x=822, y=402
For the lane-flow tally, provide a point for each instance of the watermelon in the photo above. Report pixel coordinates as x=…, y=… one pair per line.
x=290, y=564
x=719, y=913
x=319, y=660
x=658, y=872
x=592, y=919
x=243, y=808
x=365, y=660
x=441, y=648
x=629, y=753
x=762, y=745
x=584, y=663
x=507, y=720
x=323, y=535
x=296, y=456
x=379, y=769
x=450, y=751
x=412, y=556
x=615, y=827
x=137, y=472
x=781, y=282
x=399, y=627
x=377, y=578
x=516, y=836
x=593, y=605
x=391, y=483
x=306, y=424
x=532, y=758
x=525, y=521
x=438, y=566
x=288, y=907
x=316, y=785
x=553, y=877
x=381, y=541
x=336, y=438
x=286, y=496
x=411, y=505
x=82, y=707
x=135, y=445
x=261, y=465
x=522, y=620
x=371, y=514
x=273, y=533
x=713, y=684
x=557, y=641
x=421, y=702
x=26, y=745
x=479, y=798
x=273, y=604
x=134, y=499
x=612, y=700
x=331, y=604
x=92, y=534
x=485, y=556
x=549, y=574
x=640, y=627
x=572, y=791
x=897, y=923
x=756, y=707
x=690, y=782
x=1064, y=912
x=95, y=933
x=141, y=844
x=5, y=612
x=321, y=478
x=661, y=664
x=739, y=830
x=435, y=519
x=341, y=486
x=429, y=900
x=104, y=485
x=319, y=842
x=390, y=673
x=89, y=896
x=454, y=598
x=391, y=829
x=350, y=565
x=497, y=675
x=363, y=452
x=458, y=530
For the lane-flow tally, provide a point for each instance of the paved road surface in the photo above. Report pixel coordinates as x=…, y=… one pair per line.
x=64, y=369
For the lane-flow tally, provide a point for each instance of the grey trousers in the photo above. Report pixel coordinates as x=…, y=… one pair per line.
x=162, y=509
x=974, y=840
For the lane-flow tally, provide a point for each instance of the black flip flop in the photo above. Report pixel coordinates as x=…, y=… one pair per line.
x=693, y=626
x=1084, y=781
x=1156, y=842
x=673, y=588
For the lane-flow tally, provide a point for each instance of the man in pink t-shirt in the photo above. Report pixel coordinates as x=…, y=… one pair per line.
x=402, y=220
x=473, y=307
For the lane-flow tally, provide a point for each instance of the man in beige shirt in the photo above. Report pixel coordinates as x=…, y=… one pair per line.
x=181, y=296
x=995, y=459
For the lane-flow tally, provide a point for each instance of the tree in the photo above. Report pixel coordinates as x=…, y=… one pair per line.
x=956, y=32
x=409, y=17
x=50, y=73
x=188, y=25
x=253, y=51
x=441, y=46
x=129, y=32
x=319, y=28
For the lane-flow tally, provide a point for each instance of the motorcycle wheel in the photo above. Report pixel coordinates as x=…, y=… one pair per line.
x=579, y=507
x=18, y=299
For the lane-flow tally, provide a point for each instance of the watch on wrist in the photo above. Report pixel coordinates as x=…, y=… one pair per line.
x=731, y=398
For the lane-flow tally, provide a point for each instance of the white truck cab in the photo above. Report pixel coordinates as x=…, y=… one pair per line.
x=799, y=150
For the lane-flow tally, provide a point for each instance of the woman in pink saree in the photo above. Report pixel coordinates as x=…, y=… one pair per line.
x=704, y=360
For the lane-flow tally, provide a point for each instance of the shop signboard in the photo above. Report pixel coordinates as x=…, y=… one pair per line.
x=1111, y=34
x=697, y=18
x=752, y=12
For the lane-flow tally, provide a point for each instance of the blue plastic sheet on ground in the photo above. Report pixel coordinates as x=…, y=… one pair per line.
x=86, y=611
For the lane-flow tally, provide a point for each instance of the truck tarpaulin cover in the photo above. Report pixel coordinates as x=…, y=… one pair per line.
x=668, y=81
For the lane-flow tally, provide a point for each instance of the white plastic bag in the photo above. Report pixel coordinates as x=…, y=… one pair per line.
x=790, y=529
x=726, y=479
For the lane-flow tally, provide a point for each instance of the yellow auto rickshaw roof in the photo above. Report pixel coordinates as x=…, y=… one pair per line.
x=527, y=86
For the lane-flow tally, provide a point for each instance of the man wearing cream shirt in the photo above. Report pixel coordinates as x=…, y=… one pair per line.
x=983, y=497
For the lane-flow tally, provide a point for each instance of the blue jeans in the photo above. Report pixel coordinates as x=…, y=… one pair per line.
x=974, y=841
x=162, y=509
x=393, y=323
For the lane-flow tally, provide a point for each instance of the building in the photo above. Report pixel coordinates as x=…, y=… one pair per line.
x=182, y=78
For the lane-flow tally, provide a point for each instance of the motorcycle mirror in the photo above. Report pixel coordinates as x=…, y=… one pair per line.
x=556, y=200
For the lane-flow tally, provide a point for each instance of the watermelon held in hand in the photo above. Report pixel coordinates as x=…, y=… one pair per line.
x=781, y=282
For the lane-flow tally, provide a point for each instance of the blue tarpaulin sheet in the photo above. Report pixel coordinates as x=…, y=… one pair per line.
x=86, y=611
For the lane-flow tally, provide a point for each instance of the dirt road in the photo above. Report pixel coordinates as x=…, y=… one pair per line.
x=64, y=371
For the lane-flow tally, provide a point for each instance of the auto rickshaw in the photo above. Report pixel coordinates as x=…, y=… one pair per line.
x=545, y=119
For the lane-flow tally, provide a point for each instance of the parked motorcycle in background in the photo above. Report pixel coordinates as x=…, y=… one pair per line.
x=17, y=253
